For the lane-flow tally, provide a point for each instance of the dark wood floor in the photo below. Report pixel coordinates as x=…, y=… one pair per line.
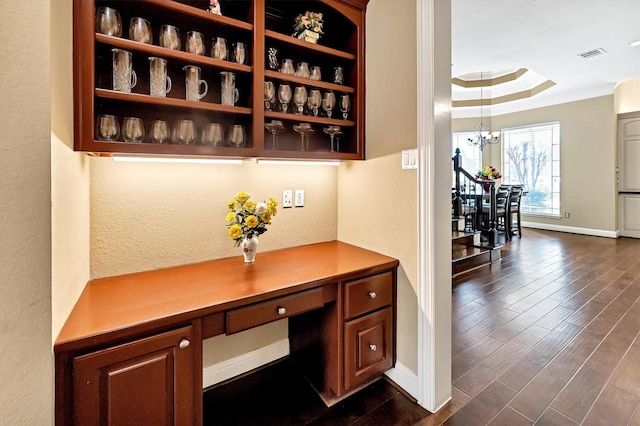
x=548, y=336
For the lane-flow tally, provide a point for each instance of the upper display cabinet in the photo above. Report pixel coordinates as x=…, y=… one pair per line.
x=262, y=78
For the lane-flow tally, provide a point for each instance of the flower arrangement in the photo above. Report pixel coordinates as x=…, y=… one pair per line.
x=488, y=173
x=311, y=21
x=247, y=219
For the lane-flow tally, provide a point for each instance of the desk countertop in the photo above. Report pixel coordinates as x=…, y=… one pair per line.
x=147, y=299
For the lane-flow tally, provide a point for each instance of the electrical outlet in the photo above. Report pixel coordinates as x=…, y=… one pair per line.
x=299, y=201
x=567, y=215
x=287, y=198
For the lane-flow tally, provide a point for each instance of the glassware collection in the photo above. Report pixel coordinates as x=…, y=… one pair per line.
x=184, y=132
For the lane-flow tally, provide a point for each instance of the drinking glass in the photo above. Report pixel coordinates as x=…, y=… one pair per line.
x=299, y=98
x=186, y=132
x=212, y=135
x=159, y=81
x=132, y=129
x=229, y=95
x=107, y=128
x=195, y=43
x=345, y=105
x=328, y=102
x=170, y=37
x=193, y=83
x=303, y=70
x=159, y=131
x=287, y=67
x=124, y=77
x=140, y=31
x=237, y=136
x=239, y=52
x=338, y=75
x=108, y=22
x=332, y=131
x=314, y=101
x=304, y=129
x=274, y=126
x=269, y=94
x=272, y=58
x=219, y=48
x=284, y=96
x=316, y=73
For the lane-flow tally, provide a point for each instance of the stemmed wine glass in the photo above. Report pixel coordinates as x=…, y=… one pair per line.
x=274, y=126
x=269, y=95
x=299, y=98
x=314, y=101
x=328, y=102
x=284, y=95
x=305, y=130
x=332, y=131
x=345, y=105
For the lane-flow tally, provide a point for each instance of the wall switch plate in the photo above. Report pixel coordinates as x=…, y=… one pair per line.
x=287, y=198
x=567, y=215
x=410, y=159
x=299, y=200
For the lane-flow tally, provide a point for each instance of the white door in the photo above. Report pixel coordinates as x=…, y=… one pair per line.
x=629, y=174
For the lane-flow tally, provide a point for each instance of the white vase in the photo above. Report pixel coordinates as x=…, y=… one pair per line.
x=249, y=249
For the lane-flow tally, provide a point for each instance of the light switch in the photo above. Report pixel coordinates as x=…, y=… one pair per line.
x=287, y=198
x=410, y=159
x=299, y=200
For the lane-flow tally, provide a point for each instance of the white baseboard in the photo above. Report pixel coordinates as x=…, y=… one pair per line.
x=230, y=368
x=405, y=378
x=571, y=229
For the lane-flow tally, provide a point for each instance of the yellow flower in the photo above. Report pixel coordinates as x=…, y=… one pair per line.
x=235, y=231
x=266, y=218
x=231, y=216
x=250, y=206
x=251, y=221
x=242, y=197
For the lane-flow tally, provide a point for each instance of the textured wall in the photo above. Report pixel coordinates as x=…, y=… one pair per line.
x=26, y=370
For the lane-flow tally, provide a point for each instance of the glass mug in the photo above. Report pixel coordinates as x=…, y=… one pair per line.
x=159, y=132
x=132, y=129
x=107, y=128
x=108, y=22
x=170, y=37
x=237, y=136
x=229, y=95
x=219, y=48
x=124, y=77
x=193, y=83
x=239, y=52
x=287, y=67
x=140, y=31
x=212, y=135
x=159, y=81
x=195, y=43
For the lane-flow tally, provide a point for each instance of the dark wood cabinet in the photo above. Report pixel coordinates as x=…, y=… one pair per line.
x=260, y=25
x=151, y=380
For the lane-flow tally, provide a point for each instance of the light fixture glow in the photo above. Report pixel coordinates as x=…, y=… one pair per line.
x=299, y=163
x=634, y=43
x=127, y=158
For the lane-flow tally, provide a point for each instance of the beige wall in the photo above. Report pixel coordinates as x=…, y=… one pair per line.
x=627, y=96
x=377, y=199
x=26, y=370
x=587, y=151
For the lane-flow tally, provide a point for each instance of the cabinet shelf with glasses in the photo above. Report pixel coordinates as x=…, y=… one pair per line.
x=127, y=70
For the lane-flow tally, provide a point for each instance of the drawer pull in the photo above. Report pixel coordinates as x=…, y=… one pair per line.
x=372, y=294
x=184, y=344
x=373, y=347
x=281, y=311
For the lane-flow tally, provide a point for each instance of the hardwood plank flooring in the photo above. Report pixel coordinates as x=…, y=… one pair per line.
x=550, y=335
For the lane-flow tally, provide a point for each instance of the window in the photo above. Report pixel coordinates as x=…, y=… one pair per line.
x=470, y=155
x=531, y=156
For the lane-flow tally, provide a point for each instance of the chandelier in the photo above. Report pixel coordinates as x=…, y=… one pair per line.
x=484, y=134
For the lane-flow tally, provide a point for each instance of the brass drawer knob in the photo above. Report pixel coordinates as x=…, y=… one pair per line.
x=184, y=344
x=281, y=311
x=372, y=294
x=373, y=347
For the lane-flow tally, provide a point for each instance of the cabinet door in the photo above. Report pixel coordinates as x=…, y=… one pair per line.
x=368, y=347
x=151, y=381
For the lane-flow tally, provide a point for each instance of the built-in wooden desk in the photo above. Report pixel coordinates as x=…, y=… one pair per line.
x=131, y=349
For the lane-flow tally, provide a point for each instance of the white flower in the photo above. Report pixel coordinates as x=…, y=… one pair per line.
x=261, y=208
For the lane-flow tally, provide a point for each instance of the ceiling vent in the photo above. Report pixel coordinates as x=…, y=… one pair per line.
x=592, y=53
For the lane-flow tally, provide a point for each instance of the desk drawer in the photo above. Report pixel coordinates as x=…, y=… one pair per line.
x=273, y=310
x=368, y=294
